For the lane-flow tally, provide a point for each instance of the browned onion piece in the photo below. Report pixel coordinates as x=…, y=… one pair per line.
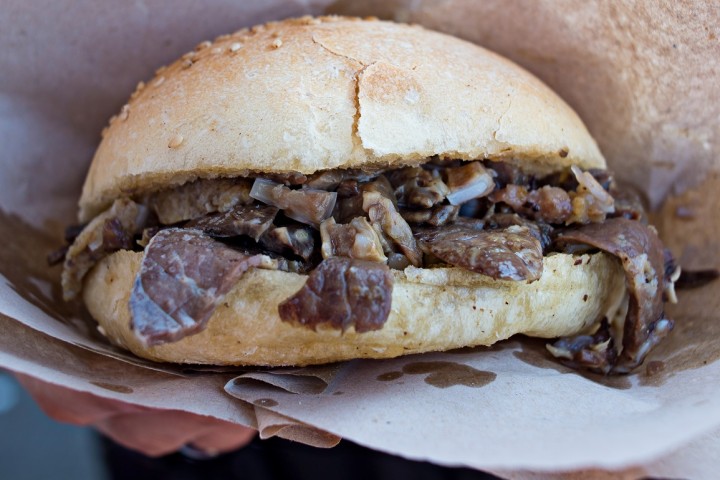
x=305, y=205
x=468, y=181
x=341, y=293
x=183, y=277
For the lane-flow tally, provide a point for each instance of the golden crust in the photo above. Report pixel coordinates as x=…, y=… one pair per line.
x=432, y=310
x=312, y=94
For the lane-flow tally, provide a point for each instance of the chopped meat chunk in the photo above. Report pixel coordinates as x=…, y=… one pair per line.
x=549, y=204
x=436, y=216
x=385, y=219
x=590, y=202
x=355, y=240
x=110, y=231
x=250, y=220
x=305, y=205
x=342, y=293
x=199, y=198
x=292, y=239
x=416, y=187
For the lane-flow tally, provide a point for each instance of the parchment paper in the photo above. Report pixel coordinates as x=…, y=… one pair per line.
x=644, y=78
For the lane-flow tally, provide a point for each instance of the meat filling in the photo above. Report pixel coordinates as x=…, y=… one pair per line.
x=643, y=257
x=348, y=228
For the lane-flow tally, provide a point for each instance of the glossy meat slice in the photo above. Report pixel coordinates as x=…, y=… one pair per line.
x=184, y=276
x=342, y=293
x=511, y=253
x=643, y=258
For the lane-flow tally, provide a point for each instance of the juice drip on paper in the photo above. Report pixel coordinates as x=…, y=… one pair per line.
x=389, y=376
x=450, y=374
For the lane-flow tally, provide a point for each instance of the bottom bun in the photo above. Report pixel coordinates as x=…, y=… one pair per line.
x=432, y=309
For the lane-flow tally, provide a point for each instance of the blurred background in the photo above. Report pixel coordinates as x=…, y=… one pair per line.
x=32, y=446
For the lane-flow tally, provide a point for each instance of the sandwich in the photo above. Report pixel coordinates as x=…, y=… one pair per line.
x=323, y=189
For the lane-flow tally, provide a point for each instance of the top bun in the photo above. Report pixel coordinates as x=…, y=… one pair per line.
x=319, y=93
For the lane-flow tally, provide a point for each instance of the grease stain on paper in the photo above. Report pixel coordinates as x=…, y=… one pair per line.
x=389, y=376
x=450, y=374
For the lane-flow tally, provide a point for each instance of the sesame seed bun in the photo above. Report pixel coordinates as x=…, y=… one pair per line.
x=309, y=95
x=313, y=94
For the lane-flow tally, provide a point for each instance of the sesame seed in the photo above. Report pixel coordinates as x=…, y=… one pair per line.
x=189, y=54
x=176, y=141
x=216, y=50
x=203, y=45
x=277, y=43
x=187, y=64
x=235, y=47
x=140, y=86
x=124, y=112
x=158, y=81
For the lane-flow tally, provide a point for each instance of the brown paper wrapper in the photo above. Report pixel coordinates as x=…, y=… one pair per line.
x=643, y=77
